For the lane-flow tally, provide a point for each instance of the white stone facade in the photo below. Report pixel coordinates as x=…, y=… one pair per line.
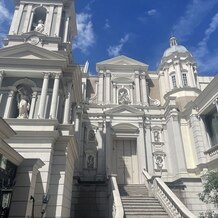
x=125, y=120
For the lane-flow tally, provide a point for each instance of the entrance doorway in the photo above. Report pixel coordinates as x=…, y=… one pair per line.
x=125, y=161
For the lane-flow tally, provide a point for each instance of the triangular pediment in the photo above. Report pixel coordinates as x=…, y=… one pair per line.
x=29, y=51
x=121, y=62
x=124, y=110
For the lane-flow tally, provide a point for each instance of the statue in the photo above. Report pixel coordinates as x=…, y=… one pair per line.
x=90, y=162
x=23, y=103
x=40, y=26
x=156, y=136
x=123, y=97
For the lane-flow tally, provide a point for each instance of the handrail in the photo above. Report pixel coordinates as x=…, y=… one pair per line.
x=117, y=208
x=167, y=198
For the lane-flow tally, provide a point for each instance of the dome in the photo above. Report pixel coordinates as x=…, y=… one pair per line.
x=174, y=47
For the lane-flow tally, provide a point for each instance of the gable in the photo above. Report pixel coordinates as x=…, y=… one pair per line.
x=29, y=51
x=121, y=62
x=124, y=110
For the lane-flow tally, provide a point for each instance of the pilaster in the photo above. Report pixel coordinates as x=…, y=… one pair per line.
x=101, y=87
x=144, y=89
x=67, y=105
x=108, y=86
x=33, y=104
x=1, y=77
x=9, y=102
x=137, y=88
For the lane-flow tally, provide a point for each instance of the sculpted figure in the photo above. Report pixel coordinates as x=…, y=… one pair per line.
x=23, y=103
x=40, y=26
x=90, y=162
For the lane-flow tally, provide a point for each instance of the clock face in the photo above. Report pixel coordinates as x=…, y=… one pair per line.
x=34, y=40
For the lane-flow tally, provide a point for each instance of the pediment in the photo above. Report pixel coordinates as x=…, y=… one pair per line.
x=122, y=61
x=125, y=128
x=124, y=110
x=29, y=51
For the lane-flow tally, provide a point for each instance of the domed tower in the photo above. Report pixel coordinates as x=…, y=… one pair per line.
x=177, y=74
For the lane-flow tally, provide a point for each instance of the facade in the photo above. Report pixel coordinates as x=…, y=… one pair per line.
x=125, y=121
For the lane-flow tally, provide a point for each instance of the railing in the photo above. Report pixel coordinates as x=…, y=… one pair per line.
x=116, y=207
x=212, y=151
x=167, y=198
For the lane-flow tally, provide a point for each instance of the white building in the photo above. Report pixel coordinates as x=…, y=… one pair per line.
x=125, y=121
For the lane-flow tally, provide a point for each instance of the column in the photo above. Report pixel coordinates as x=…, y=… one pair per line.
x=192, y=75
x=66, y=29
x=58, y=21
x=17, y=19
x=54, y=99
x=1, y=77
x=108, y=148
x=216, y=103
x=144, y=90
x=114, y=93
x=149, y=151
x=33, y=103
x=101, y=87
x=108, y=87
x=198, y=137
x=178, y=75
x=137, y=87
x=26, y=22
x=131, y=94
x=9, y=102
x=101, y=152
x=49, y=17
x=67, y=104
x=167, y=82
x=141, y=151
x=43, y=96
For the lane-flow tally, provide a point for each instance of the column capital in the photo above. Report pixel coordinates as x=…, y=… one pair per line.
x=46, y=75
x=56, y=75
x=136, y=74
x=142, y=76
x=2, y=73
x=108, y=73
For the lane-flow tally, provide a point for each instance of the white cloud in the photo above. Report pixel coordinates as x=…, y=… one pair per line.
x=107, y=24
x=5, y=19
x=207, y=61
x=116, y=49
x=152, y=12
x=86, y=37
x=194, y=14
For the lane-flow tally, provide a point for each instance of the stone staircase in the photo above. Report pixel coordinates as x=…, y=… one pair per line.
x=90, y=201
x=137, y=203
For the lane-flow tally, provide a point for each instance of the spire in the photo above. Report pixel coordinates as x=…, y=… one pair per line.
x=173, y=41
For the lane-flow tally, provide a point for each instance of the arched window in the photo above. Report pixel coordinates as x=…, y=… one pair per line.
x=39, y=19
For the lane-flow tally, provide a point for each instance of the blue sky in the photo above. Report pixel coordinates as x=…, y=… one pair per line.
x=140, y=29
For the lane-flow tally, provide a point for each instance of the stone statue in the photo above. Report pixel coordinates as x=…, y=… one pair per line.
x=90, y=162
x=156, y=136
x=23, y=103
x=40, y=26
x=123, y=97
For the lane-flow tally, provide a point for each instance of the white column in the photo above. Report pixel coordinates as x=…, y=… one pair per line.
x=108, y=148
x=1, y=77
x=67, y=104
x=144, y=90
x=9, y=103
x=216, y=103
x=101, y=87
x=58, y=21
x=131, y=94
x=26, y=22
x=108, y=87
x=66, y=29
x=49, y=17
x=33, y=104
x=149, y=148
x=178, y=75
x=18, y=19
x=11, y=31
x=54, y=96
x=141, y=151
x=137, y=88
x=43, y=96
x=167, y=81
x=114, y=93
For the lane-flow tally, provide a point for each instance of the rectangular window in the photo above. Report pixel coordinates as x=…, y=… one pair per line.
x=184, y=79
x=173, y=77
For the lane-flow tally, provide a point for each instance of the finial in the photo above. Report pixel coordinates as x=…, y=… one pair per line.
x=173, y=41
